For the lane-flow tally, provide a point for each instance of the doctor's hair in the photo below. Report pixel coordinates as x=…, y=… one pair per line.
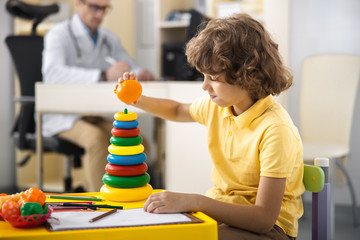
x=240, y=48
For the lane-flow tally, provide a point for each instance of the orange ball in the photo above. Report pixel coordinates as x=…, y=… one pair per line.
x=128, y=91
x=10, y=208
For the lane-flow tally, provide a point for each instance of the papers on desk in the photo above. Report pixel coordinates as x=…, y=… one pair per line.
x=122, y=218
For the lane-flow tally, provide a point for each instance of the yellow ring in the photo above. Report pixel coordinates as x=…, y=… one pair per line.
x=126, y=194
x=126, y=150
x=121, y=116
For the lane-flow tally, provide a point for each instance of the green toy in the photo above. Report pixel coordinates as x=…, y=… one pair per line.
x=30, y=208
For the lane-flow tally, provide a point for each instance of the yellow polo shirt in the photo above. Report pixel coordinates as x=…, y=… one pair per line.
x=262, y=141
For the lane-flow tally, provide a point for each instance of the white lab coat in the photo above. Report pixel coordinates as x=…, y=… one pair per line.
x=62, y=63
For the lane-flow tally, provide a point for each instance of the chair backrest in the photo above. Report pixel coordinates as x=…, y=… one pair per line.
x=37, y=13
x=314, y=178
x=26, y=52
x=328, y=90
x=196, y=20
x=315, y=181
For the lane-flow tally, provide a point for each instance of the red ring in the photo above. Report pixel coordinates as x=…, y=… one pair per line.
x=126, y=170
x=119, y=132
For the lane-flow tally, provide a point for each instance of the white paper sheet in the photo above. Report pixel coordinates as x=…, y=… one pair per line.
x=122, y=218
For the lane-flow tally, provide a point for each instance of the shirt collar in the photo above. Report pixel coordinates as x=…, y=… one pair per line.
x=94, y=37
x=257, y=109
x=80, y=29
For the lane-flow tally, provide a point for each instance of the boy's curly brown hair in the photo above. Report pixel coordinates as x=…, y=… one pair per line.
x=241, y=48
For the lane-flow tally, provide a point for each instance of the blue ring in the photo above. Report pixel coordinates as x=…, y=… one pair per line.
x=125, y=124
x=126, y=159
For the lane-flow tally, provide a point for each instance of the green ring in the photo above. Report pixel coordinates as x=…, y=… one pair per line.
x=126, y=182
x=129, y=141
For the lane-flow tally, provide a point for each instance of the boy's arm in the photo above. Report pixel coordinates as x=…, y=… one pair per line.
x=165, y=108
x=260, y=217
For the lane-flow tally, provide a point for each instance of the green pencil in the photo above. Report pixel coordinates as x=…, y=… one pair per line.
x=91, y=205
x=75, y=198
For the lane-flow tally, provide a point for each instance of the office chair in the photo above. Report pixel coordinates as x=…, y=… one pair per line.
x=328, y=90
x=175, y=65
x=197, y=21
x=26, y=52
x=316, y=181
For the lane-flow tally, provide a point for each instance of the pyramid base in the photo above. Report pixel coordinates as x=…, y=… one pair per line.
x=126, y=194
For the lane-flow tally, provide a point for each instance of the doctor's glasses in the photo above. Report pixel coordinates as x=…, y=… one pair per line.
x=94, y=8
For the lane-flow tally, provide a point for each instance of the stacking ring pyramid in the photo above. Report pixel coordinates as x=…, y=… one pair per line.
x=126, y=179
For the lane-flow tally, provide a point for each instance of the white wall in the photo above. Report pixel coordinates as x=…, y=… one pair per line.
x=325, y=26
x=276, y=20
x=7, y=162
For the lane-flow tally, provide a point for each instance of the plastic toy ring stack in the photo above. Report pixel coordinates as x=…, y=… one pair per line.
x=126, y=178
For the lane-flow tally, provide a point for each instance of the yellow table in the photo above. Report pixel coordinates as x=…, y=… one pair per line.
x=206, y=230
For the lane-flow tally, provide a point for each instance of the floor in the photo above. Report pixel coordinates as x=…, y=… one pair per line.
x=344, y=224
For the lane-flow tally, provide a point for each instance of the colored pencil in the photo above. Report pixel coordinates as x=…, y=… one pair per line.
x=103, y=215
x=64, y=208
x=91, y=205
x=75, y=198
x=59, y=203
x=68, y=194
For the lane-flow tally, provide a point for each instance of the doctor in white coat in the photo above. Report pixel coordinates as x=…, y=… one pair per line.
x=80, y=51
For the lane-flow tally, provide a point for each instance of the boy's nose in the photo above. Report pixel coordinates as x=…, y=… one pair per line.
x=205, y=84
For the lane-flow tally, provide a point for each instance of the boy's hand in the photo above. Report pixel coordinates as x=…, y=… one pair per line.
x=127, y=76
x=171, y=202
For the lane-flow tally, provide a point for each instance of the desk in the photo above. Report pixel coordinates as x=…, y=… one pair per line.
x=84, y=99
x=197, y=231
x=98, y=99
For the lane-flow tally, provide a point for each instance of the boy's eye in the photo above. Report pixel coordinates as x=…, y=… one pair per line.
x=212, y=78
